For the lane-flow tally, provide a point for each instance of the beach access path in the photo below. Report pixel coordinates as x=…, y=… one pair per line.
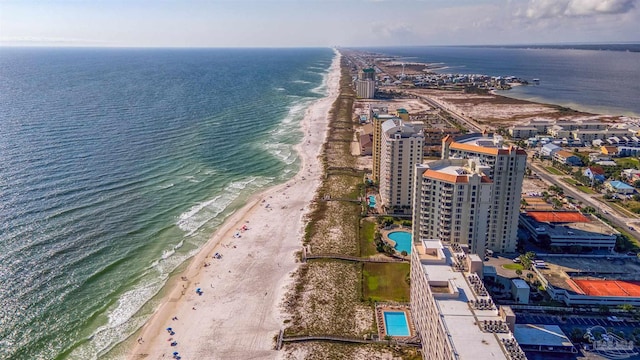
x=239, y=312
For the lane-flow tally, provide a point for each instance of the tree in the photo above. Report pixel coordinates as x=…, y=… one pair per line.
x=519, y=272
x=577, y=335
x=529, y=276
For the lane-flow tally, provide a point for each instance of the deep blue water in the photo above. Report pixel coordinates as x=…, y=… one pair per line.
x=116, y=165
x=601, y=81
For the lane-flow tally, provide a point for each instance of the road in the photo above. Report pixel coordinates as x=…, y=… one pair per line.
x=461, y=119
x=608, y=213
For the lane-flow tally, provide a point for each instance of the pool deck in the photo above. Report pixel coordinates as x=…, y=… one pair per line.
x=381, y=308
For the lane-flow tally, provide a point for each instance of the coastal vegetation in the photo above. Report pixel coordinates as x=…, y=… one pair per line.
x=327, y=295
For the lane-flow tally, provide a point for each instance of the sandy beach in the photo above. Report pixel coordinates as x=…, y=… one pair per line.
x=238, y=313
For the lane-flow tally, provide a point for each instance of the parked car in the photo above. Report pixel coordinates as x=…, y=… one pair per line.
x=614, y=319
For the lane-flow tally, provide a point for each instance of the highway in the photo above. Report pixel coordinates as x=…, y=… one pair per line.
x=467, y=123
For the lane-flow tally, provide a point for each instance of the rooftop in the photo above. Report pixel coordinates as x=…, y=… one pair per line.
x=603, y=287
x=541, y=335
x=490, y=144
x=461, y=321
x=561, y=270
x=565, y=154
x=620, y=185
x=557, y=216
x=452, y=171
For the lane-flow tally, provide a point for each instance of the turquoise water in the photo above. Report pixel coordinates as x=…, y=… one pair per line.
x=396, y=323
x=117, y=165
x=402, y=239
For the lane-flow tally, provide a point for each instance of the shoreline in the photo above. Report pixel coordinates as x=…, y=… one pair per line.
x=239, y=312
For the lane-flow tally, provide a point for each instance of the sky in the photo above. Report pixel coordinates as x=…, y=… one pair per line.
x=310, y=23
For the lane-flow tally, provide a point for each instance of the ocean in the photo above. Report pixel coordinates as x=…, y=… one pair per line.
x=602, y=79
x=117, y=165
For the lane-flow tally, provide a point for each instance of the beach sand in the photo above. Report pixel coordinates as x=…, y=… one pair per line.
x=239, y=312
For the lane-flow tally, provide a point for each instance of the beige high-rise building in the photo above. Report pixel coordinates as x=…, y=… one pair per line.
x=503, y=166
x=453, y=203
x=366, y=84
x=377, y=120
x=401, y=150
x=365, y=89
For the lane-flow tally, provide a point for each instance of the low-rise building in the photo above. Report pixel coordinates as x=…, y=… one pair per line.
x=567, y=157
x=626, y=151
x=609, y=150
x=549, y=150
x=366, y=144
x=567, y=228
x=520, y=291
x=595, y=281
x=595, y=174
x=631, y=175
x=598, y=157
x=619, y=187
x=522, y=132
x=543, y=339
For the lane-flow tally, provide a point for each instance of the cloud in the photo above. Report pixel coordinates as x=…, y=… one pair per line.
x=542, y=9
x=393, y=31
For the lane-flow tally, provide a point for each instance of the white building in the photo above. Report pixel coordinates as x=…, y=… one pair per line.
x=504, y=166
x=453, y=314
x=376, y=150
x=366, y=89
x=453, y=203
x=401, y=150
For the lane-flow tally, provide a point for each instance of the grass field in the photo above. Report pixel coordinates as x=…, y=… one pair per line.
x=628, y=163
x=553, y=171
x=570, y=181
x=385, y=282
x=586, y=189
x=367, y=232
x=513, y=266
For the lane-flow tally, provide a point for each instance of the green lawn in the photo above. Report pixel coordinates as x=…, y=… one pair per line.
x=586, y=189
x=385, y=281
x=571, y=181
x=367, y=244
x=513, y=266
x=628, y=163
x=553, y=171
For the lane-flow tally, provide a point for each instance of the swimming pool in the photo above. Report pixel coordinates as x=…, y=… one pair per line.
x=402, y=239
x=395, y=323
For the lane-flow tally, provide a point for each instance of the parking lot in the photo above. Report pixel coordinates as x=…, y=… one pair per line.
x=568, y=323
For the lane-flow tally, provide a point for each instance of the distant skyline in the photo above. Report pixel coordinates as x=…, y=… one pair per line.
x=291, y=23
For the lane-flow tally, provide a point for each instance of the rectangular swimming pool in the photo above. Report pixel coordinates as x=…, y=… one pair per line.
x=395, y=323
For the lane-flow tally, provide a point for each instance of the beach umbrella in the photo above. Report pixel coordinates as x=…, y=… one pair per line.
x=175, y=353
x=169, y=329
